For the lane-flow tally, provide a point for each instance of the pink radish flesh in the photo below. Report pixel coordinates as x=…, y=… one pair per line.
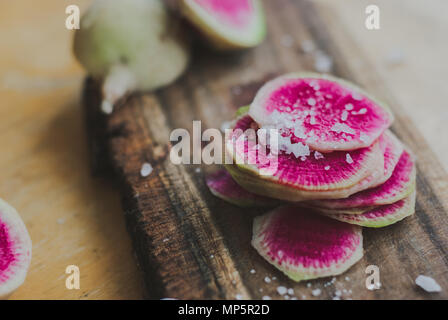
x=306, y=245
x=325, y=113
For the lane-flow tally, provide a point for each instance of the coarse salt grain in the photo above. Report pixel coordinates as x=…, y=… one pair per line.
x=428, y=284
x=348, y=158
x=266, y=298
x=252, y=271
x=267, y=280
x=282, y=290
x=316, y=292
x=291, y=291
x=327, y=168
x=239, y=296
x=311, y=101
x=146, y=169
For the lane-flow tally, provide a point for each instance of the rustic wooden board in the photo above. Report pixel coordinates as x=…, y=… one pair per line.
x=191, y=245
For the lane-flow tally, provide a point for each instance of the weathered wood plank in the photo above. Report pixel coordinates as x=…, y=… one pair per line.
x=192, y=245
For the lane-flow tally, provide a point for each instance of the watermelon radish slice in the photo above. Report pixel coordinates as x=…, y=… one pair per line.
x=314, y=172
x=398, y=186
x=229, y=24
x=222, y=185
x=305, y=245
x=324, y=112
x=15, y=250
x=380, y=216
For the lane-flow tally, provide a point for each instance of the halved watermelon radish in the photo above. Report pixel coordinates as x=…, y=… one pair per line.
x=222, y=185
x=380, y=216
x=313, y=172
x=15, y=250
x=324, y=112
x=305, y=245
x=229, y=24
x=398, y=186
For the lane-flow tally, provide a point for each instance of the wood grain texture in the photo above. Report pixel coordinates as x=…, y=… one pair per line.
x=192, y=245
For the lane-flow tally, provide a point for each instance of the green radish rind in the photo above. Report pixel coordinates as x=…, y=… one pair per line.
x=295, y=270
x=224, y=37
x=401, y=209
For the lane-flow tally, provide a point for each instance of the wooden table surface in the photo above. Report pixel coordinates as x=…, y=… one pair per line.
x=76, y=219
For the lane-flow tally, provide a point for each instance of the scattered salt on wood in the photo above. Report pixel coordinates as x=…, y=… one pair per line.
x=291, y=291
x=267, y=280
x=428, y=284
x=107, y=107
x=282, y=290
x=252, y=271
x=307, y=46
x=266, y=298
x=146, y=169
x=316, y=292
x=322, y=62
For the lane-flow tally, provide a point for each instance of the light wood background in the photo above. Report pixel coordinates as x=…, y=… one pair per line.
x=75, y=219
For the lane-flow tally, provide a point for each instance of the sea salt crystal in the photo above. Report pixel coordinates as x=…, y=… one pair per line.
x=338, y=293
x=356, y=96
x=146, y=169
x=282, y=290
x=252, y=271
x=322, y=62
x=286, y=297
x=197, y=170
x=428, y=284
x=311, y=101
x=327, y=168
x=342, y=127
x=274, y=278
x=336, y=298
x=318, y=155
x=308, y=285
x=266, y=298
x=347, y=278
x=348, y=158
x=349, y=106
x=291, y=291
x=307, y=46
x=267, y=280
x=316, y=292
x=107, y=107
x=239, y=296
x=362, y=111
x=166, y=240
x=363, y=137
x=344, y=115
x=212, y=256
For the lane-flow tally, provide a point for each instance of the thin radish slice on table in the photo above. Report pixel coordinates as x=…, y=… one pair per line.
x=380, y=216
x=305, y=245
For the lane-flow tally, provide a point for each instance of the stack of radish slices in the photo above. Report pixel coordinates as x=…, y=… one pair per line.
x=319, y=148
